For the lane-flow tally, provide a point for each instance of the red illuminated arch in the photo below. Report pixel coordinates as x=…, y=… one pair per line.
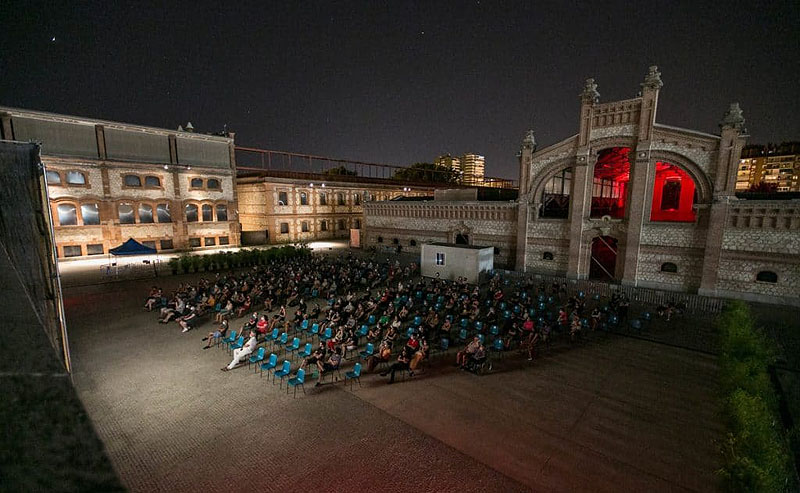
x=612, y=172
x=673, y=194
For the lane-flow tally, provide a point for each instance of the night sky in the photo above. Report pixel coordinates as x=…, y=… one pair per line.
x=399, y=82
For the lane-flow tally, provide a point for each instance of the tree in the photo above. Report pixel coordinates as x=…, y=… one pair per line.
x=341, y=170
x=427, y=172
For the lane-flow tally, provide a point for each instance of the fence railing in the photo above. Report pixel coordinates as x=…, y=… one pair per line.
x=694, y=303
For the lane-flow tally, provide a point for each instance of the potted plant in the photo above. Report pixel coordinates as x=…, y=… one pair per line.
x=174, y=263
x=186, y=263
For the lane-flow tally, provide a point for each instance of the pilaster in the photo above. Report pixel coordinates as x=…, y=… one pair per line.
x=581, y=190
x=5, y=127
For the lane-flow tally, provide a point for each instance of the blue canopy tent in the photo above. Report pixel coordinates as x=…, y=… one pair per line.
x=127, y=249
x=132, y=247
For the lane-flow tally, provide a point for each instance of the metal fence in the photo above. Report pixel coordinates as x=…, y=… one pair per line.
x=694, y=303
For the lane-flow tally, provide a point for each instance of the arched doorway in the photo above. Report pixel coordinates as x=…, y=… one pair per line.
x=603, y=262
x=673, y=194
x=612, y=172
x=462, y=239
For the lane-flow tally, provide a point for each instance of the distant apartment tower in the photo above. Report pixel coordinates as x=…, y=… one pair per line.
x=773, y=165
x=470, y=167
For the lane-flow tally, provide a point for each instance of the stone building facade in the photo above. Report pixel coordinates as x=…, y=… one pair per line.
x=627, y=200
x=110, y=181
x=318, y=207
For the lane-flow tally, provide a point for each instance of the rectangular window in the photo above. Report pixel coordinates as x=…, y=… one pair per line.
x=166, y=245
x=283, y=198
x=671, y=195
x=72, y=251
x=304, y=226
x=323, y=226
x=94, y=249
x=149, y=244
x=194, y=242
x=223, y=240
x=440, y=259
x=323, y=199
x=162, y=211
x=211, y=241
x=284, y=228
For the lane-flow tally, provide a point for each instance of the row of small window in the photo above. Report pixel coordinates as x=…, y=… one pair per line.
x=283, y=198
x=90, y=214
x=323, y=226
x=208, y=241
x=97, y=248
x=77, y=178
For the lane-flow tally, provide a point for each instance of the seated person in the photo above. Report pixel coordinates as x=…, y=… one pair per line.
x=462, y=356
x=403, y=359
x=152, y=298
x=374, y=334
x=334, y=360
x=419, y=356
x=384, y=353
x=477, y=358
x=317, y=355
x=225, y=312
x=217, y=334
x=188, y=322
x=242, y=353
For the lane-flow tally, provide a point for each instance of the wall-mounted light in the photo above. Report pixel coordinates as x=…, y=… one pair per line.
x=166, y=167
x=323, y=185
x=311, y=185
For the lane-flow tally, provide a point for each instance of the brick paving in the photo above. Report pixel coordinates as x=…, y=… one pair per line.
x=612, y=414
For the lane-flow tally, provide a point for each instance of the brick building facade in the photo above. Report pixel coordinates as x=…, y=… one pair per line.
x=110, y=181
x=280, y=210
x=627, y=200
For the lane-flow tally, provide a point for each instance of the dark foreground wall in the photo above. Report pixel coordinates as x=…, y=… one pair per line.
x=47, y=442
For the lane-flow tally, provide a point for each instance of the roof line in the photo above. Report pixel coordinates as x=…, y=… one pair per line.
x=687, y=130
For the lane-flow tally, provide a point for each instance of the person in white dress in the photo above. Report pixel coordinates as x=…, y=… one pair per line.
x=245, y=351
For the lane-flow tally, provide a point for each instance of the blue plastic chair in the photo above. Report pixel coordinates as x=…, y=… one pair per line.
x=292, y=346
x=362, y=332
x=314, y=293
x=367, y=352
x=257, y=358
x=353, y=375
x=314, y=332
x=327, y=335
x=532, y=312
x=494, y=330
x=462, y=335
x=498, y=346
x=297, y=381
x=636, y=324
x=286, y=368
x=647, y=316
x=303, y=326
x=503, y=305
x=283, y=339
x=229, y=340
x=371, y=320
x=417, y=321
x=239, y=344
x=305, y=352
x=464, y=323
x=481, y=338
x=411, y=331
x=271, y=363
x=274, y=336
x=479, y=326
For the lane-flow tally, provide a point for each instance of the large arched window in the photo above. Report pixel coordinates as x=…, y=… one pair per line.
x=67, y=215
x=126, y=216
x=612, y=172
x=669, y=267
x=162, y=213
x=132, y=181
x=90, y=214
x=196, y=183
x=222, y=212
x=673, y=194
x=145, y=213
x=191, y=213
x=75, y=178
x=555, y=196
x=767, y=276
x=208, y=213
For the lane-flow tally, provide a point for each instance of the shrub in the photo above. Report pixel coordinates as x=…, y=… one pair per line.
x=756, y=456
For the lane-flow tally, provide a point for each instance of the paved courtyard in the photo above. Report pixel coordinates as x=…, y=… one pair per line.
x=613, y=414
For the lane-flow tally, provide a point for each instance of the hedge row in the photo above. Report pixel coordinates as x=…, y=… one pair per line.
x=755, y=451
x=231, y=260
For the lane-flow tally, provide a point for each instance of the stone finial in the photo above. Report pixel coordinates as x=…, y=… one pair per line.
x=529, y=141
x=189, y=127
x=733, y=118
x=653, y=78
x=590, y=94
x=180, y=128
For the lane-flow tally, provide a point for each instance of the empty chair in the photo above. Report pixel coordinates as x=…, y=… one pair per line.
x=464, y=323
x=362, y=332
x=355, y=374
x=417, y=321
x=292, y=346
x=286, y=368
x=371, y=320
x=283, y=339
x=271, y=363
x=503, y=305
x=230, y=339
x=367, y=352
x=480, y=337
x=498, y=345
x=239, y=344
x=327, y=335
x=494, y=330
x=411, y=331
x=257, y=358
x=297, y=381
x=306, y=351
x=303, y=326
x=479, y=326
x=462, y=335
x=274, y=336
x=314, y=331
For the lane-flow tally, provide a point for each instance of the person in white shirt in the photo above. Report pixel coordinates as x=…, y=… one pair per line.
x=244, y=352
